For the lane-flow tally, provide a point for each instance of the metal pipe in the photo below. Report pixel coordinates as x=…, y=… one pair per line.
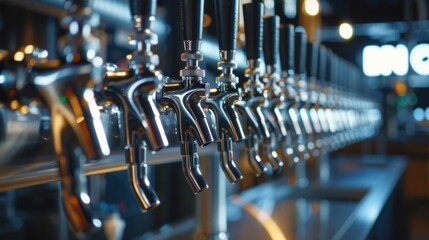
x=35, y=174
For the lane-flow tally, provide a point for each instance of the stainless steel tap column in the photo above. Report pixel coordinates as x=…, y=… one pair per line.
x=211, y=205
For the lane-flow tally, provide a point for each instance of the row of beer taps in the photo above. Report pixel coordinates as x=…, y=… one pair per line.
x=298, y=107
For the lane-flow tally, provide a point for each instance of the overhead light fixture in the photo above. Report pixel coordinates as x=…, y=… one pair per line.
x=345, y=30
x=311, y=7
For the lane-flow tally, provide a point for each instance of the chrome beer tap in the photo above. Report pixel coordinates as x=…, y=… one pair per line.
x=332, y=140
x=337, y=103
x=135, y=92
x=300, y=106
x=293, y=68
x=250, y=108
x=321, y=98
x=185, y=97
x=345, y=96
x=77, y=131
x=15, y=92
x=274, y=99
x=223, y=98
x=312, y=89
x=12, y=76
x=287, y=60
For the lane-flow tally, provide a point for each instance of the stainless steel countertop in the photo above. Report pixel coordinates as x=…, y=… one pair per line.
x=345, y=207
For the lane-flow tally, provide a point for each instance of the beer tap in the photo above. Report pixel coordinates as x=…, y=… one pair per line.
x=342, y=102
x=135, y=92
x=338, y=98
x=251, y=107
x=185, y=97
x=223, y=98
x=287, y=38
x=312, y=89
x=293, y=69
x=329, y=93
x=321, y=97
x=15, y=92
x=77, y=131
x=335, y=101
x=274, y=100
x=300, y=105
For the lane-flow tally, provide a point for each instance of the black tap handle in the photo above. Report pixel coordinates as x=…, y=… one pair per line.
x=321, y=71
x=342, y=65
x=287, y=48
x=192, y=19
x=329, y=65
x=226, y=23
x=312, y=58
x=279, y=9
x=73, y=5
x=271, y=39
x=252, y=14
x=143, y=7
x=301, y=49
x=334, y=68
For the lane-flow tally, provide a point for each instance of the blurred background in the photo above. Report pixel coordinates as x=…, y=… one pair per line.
x=387, y=39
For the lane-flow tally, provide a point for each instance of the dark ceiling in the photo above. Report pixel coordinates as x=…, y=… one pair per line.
x=370, y=11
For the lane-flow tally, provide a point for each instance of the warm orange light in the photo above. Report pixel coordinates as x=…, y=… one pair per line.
x=207, y=20
x=272, y=228
x=14, y=105
x=24, y=109
x=400, y=87
x=28, y=49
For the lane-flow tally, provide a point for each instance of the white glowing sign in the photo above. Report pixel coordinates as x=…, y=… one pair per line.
x=388, y=59
x=419, y=59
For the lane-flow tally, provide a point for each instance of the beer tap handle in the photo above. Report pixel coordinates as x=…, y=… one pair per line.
x=301, y=51
x=192, y=19
x=287, y=48
x=76, y=5
x=321, y=71
x=227, y=23
x=271, y=39
x=252, y=14
x=142, y=15
x=192, y=27
x=146, y=8
x=312, y=59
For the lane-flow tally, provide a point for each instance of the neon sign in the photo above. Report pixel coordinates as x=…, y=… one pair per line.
x=388, y=59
